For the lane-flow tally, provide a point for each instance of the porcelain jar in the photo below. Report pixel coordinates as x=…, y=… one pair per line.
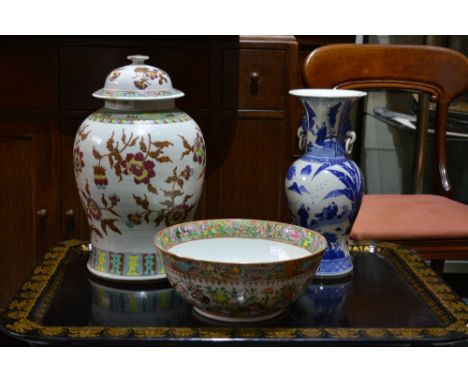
x=139, y=165
x=324, y=188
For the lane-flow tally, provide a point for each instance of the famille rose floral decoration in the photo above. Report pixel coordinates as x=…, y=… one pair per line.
x=139, y=165
x=262, y=268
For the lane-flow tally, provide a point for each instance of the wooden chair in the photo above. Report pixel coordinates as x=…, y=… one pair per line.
x=434, y=225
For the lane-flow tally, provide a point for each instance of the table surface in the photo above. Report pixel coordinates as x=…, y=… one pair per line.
x=392, y=297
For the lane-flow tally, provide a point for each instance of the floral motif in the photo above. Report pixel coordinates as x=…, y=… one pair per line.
x=240, y=228
x=239, y=299
x=144, y=76
x=95, y=212
x=174, y=211
x=177, y=214
x=198, y=149
x=141, y=169
x=263, y=285
x=187, y=172
x=100, y=178
x=141, y=83
x=114, y=199
x=82, y=134
x=134, y=219
x=140, y=164
x=78, y=162
x=114, y=75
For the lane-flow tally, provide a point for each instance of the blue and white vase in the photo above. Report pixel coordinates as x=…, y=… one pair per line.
x=324, y=188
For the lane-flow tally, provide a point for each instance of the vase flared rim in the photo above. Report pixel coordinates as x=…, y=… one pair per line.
x=327, y=93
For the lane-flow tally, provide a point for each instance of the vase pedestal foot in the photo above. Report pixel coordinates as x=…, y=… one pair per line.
x=336, y=268
x=125, y=267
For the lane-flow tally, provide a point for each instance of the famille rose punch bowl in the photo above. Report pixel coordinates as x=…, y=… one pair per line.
x=237, y=270
x=139, y=166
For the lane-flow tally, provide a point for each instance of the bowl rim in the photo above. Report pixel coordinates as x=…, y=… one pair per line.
x=327, y=93
x=320, y=251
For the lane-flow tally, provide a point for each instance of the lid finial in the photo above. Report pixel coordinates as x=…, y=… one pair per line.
x=137, y=59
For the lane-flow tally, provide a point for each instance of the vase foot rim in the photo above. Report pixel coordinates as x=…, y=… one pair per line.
x=333, y=275
x=217, y=317
x=125, y=279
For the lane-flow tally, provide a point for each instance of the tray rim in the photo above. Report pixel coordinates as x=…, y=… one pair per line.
x=16, y=320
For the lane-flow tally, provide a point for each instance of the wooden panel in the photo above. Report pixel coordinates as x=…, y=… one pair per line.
x=29, y=82
x=83, y=70
x=308, y=43
x=17, y=255
x=258, y=76
x=249, y=160
x=28, y=186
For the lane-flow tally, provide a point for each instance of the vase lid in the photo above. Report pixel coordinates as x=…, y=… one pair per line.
x=138, y=82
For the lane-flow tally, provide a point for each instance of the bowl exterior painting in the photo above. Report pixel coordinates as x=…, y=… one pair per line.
x=235, y=291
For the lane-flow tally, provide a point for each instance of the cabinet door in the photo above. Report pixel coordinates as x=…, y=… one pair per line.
x=28, y=199
x=248, y=178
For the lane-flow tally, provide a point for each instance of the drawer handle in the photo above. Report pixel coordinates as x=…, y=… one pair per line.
x=42, y=213
x=254, y=77
x=70, y=213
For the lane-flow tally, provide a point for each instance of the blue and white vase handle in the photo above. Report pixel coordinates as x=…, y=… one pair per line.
x=302, y=138
x=350, y=138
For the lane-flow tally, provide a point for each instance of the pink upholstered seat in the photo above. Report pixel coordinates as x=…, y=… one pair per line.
x=400, y=218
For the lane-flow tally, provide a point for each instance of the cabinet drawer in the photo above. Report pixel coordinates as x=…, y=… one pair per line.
x=254, y=79
x=29, y=79
x=83, y=70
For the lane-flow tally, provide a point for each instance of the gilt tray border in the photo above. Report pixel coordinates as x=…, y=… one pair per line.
x=20, y=317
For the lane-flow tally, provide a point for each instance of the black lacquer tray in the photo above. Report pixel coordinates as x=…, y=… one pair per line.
x=392, y=297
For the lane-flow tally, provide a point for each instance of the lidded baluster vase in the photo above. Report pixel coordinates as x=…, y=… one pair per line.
x=324, y=188
x=139, y=165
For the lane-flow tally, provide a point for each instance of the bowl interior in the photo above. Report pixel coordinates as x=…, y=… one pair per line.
x=238, y=250
x=239, y=241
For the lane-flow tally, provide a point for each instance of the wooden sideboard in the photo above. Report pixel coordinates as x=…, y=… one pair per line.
x=236, y=89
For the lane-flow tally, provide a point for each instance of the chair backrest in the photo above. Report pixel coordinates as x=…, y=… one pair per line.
x=440, y=72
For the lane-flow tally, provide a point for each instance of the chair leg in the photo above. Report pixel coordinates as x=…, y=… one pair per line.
x=438, y=266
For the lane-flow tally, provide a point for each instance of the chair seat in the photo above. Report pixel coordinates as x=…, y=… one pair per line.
x=410, y=217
